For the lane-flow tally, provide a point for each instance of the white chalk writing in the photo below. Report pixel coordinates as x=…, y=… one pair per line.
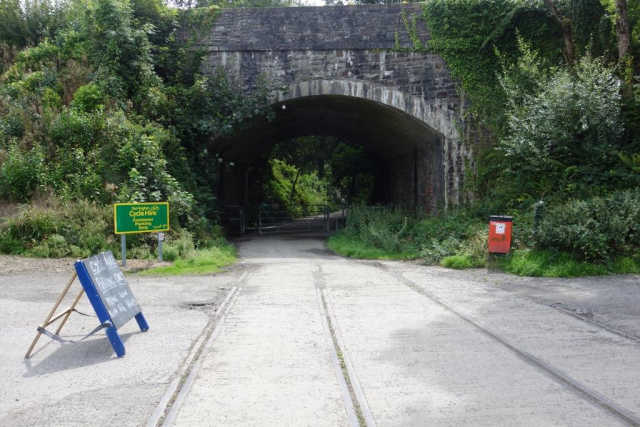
x=96, y=266
x=105, y=284
x=109, y=260
x=119, y=278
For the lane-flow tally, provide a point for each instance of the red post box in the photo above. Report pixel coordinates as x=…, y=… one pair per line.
x=500, y=234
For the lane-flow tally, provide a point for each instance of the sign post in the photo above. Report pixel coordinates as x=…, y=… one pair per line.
x=123, y=249
x=130, y=218
x=160, y=240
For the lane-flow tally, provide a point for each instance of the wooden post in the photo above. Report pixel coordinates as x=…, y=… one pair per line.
x=73, y=306
x=51, y=313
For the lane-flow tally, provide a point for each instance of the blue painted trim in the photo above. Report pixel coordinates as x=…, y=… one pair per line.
x=99, y=308
x=142, y=322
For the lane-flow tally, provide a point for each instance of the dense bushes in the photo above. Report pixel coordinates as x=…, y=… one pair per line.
x=576, y=238
x=389, y=229
x=595, y=229
x=21, y=172
x=106, y=105
x=55, y=228
x=398, y=233
x=564, y=134
x=310, y=191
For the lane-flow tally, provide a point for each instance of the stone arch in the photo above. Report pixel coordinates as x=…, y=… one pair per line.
x=410, y=135
x=438, y=118
x=358, y=56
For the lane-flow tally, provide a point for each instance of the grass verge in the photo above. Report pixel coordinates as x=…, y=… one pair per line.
x=542, y=263
x=346, y=246
x=458, y=262
x=526, y=262
x=201, y=261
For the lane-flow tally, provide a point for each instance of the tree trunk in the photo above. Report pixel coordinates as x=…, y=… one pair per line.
x=565, y=24
x=622, y=29
x=352, y=188
x=624, y=47
x=295, y=181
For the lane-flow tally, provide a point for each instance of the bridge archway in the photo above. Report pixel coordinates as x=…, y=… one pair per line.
x=340, y=65
x=400, y=129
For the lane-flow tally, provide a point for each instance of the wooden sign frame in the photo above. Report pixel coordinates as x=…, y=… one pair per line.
x=89, y=288
x=50, y=318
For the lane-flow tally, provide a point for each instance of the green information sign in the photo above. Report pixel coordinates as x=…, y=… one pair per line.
x=129, y=218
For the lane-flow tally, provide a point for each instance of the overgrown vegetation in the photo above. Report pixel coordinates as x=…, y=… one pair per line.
x=200, y=261
x=553, y=123
x=53, y=228
x=304, y=174
x=102, y=102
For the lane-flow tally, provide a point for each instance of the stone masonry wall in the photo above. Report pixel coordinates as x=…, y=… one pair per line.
x=350, y=50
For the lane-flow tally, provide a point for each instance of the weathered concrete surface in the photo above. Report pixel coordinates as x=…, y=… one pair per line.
x=271, y=365
x=417, y=361
x=612, y=301
x=80, y=384
x=603, y=361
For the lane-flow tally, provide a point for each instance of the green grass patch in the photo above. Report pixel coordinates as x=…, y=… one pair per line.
x=542, y=263
x=458, y=262
x=627, y=265
x=344, y=245
x=202, y=261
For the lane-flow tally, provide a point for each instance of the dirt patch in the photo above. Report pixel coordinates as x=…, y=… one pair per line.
x=7, y=210
x=16, y=265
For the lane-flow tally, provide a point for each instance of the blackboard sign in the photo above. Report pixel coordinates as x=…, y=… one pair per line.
x=112, y=288
x=110, y=296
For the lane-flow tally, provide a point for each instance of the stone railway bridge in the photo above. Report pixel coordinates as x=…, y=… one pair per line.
x=344, y=76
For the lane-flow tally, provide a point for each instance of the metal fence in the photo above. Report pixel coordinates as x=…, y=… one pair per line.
x=234, y=219
x=274, y=218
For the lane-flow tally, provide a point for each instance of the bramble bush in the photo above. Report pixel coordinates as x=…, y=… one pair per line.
x=564, y=135
x=395, y=230
x=386, y=228
x=595, y=229
x=450, y=234
x=58, y=228
x=21, y=172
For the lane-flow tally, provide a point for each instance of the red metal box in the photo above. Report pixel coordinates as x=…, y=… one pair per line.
x=500, y=234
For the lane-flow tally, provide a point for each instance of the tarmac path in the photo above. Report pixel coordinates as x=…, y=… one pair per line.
x=311, y=339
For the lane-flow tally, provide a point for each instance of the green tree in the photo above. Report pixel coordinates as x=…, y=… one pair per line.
x=565, y=135
x=306, y=154
x=119, y=49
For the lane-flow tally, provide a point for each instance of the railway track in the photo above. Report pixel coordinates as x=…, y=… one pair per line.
x=424, y=341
